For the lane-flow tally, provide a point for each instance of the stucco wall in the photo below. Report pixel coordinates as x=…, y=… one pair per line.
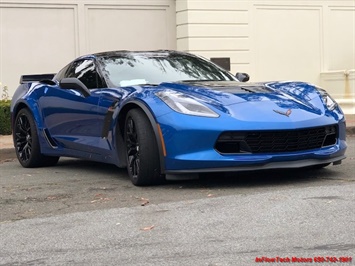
x=312, y=41
x=38, y=36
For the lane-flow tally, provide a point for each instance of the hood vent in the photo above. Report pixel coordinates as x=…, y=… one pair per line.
x=255, y=89
x=233, y=87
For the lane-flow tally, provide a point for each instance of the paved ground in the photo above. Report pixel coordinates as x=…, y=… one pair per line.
x=302, y=226
x=75, y=185
x=86, y=213
x=83, y=213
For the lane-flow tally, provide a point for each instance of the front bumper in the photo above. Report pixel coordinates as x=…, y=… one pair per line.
x=194, y=163
x=190, y=148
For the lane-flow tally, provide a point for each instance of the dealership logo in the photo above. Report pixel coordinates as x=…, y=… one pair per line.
x=287, y=113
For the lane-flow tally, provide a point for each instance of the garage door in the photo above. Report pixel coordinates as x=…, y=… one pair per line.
x=42, y=37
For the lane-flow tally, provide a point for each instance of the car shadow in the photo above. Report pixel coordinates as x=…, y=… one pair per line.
x=264, y=178
x=215, y=180
x=96, y=167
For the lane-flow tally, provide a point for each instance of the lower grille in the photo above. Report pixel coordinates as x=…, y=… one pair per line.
x=276, y=140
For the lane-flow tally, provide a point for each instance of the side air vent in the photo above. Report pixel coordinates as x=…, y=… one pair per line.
x=49, y=139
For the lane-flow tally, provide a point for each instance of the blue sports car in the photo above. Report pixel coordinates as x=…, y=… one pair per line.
x=172, y=115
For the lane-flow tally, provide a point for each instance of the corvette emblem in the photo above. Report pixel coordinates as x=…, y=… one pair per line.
x=287, y=113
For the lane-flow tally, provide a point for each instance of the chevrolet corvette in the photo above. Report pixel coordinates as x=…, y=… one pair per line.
x=172, y=115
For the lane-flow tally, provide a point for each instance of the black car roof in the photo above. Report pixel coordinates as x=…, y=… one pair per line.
x=138, y=52
x=126, y=52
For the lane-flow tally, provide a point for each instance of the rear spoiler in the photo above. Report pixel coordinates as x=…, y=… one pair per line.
x=36, y=77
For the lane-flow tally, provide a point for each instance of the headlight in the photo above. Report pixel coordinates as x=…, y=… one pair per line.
x=328, y=101
x=184, y=104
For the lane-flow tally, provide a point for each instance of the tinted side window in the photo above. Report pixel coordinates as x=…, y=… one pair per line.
x=61, y=73
x=85, y=71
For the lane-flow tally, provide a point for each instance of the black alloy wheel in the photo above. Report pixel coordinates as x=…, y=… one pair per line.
x=27, y=144
x=132, y=148
x=141, y=150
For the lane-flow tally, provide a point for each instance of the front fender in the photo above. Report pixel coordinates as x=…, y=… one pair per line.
x=26, y=96
x=120, y=120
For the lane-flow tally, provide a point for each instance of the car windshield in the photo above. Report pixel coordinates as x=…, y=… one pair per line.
x=128, y=69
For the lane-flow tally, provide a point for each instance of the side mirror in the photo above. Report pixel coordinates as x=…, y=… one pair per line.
x=242, y=77
x=74, y=84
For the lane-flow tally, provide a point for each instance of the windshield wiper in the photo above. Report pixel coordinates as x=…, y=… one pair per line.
x=141, y=84
x=200, y=80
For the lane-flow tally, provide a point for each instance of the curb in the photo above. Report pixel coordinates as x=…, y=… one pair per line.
x=7, y=155
x=350, y=131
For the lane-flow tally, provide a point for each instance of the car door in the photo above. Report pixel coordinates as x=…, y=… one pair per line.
x=71, y=117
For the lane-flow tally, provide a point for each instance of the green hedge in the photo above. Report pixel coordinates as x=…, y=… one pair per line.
x=5, y=117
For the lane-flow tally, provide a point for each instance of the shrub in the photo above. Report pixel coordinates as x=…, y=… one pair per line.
x=5, y=117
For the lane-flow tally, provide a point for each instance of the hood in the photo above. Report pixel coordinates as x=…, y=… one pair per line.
x=279, y=96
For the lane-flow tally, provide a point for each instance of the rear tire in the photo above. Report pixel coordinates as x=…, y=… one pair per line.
x=142, y=152
x=26, y=142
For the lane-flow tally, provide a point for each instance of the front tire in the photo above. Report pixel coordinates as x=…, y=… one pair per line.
x=142, y=152
x=26, y=142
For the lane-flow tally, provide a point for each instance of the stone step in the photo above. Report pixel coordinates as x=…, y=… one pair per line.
x=347, y=105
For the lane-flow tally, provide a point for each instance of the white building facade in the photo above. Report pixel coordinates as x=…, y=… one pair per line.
x=312, y=41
